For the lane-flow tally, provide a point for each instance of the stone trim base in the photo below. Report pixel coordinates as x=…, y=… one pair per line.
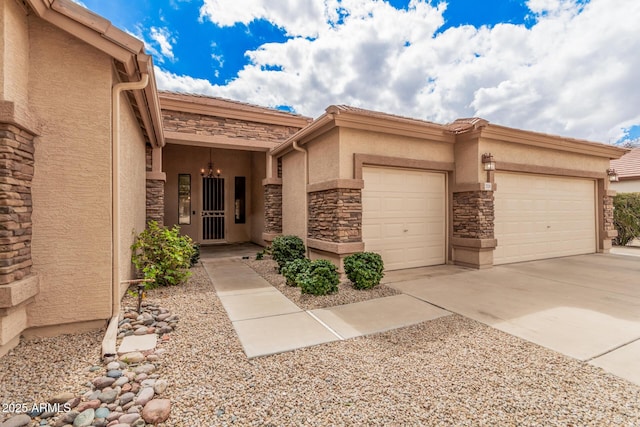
x=335, y=248
x=155, y=201
x=273, y=209
x=462, y=242
x=335, y=215
x=18, y=292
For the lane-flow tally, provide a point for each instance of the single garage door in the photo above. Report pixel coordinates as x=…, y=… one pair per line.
x=404, y=217
x=538, y=217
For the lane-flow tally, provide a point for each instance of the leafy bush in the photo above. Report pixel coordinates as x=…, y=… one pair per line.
x=265, y=251
x=293, y=269
x=196, y=255
x=321, y=278
x=287, y=248
x=364, y=269
x=626, y=217
x=162, y=254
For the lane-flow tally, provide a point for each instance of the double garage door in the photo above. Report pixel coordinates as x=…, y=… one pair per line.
x=536, y=217
x=539, y=217
x=404, y=216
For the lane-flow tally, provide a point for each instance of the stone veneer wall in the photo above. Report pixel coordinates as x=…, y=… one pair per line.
x=155, y=201
x=155, y=193
x=608, y=213
x=473, y=215
x=16, y=173
x=273, y=208
x=176, y=121
x=335, y=215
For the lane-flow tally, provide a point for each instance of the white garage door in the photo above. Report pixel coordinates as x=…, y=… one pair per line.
x=403, y=216
x=539, y=217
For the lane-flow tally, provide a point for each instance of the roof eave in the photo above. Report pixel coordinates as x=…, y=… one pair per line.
x=123, y=48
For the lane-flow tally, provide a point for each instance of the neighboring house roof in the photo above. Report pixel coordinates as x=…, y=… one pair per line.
x=222, y=107
x=628, y=166
x=128, y=53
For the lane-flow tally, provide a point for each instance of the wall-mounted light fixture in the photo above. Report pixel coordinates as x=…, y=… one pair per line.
x=613, y=175
x=208, y=172
x=488, y=163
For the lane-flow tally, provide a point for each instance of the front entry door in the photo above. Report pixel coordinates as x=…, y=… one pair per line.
x=212, y=209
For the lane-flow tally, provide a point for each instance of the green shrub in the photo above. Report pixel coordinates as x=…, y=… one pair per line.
x=162, y=254
x=321, y=278
x=287, y=248
x=196, y=255
x=626, y=217
x=265, y=251
x=364, y=269
x=292, y=269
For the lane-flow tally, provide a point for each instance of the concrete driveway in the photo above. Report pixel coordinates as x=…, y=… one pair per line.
x=586, y=307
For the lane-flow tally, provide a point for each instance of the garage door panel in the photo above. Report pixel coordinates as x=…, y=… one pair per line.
x=540, y=217
x=404, y=216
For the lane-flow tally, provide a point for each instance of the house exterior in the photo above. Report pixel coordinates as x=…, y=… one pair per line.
x=73, y=178
x=628, y=169
x=419, y=194
x=90, y=151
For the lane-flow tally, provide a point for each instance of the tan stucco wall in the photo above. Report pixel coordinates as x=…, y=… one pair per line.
x=179, y=159
x=132, y=186
x=294, y=196
x=375, y=143
x=255, y=196
x=70, y=94
x=14, y=51
x=468, y=169
x=325, y=153
x=538, y=156
x=632, y=186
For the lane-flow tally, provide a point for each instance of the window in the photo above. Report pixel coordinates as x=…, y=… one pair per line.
x=240, y=200
x=184, y=199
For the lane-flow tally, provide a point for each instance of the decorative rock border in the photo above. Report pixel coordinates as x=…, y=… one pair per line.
x=126, y=390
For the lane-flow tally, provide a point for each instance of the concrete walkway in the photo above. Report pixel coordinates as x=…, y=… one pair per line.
x=267, y=322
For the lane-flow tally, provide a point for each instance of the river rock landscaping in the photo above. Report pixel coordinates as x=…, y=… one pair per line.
x=449, y=371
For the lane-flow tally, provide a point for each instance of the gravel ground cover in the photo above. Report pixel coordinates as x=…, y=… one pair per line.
x=449, y=371
x=346, y=292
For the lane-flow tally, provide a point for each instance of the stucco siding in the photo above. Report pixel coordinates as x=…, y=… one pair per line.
x=15, y=54
x=325, y=153
x=294, y=197
x=631, y=186
x=539, y=156
x=69, y=93
x=375, y=143
x=132, y=185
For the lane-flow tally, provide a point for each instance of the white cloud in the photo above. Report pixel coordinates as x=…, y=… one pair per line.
x=574, y=72
x=164, y=40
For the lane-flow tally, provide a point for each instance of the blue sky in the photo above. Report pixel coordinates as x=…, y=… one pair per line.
x=568, y=67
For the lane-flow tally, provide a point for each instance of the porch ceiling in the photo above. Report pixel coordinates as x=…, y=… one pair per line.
x=218, y=141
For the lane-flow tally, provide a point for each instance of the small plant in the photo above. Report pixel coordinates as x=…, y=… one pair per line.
x=196, y=255
x=162, y=255
x=287, y=248
x=321, y=278
x=364, y=269
x=293, y=269
x=265, y=251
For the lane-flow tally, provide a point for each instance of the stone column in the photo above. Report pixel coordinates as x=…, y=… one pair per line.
x=18, y=285
x=16, y=173
x=473, y=228
x=155, y=186
x=272, y=208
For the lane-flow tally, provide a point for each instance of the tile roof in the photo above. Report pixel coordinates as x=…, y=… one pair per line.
x=379, y=114
x=224, y=102
x=628, y=166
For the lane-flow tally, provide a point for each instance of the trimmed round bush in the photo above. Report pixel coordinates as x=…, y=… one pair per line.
x=364, y=269
x=293, y=269
x=285, y=249
x=321, y=278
